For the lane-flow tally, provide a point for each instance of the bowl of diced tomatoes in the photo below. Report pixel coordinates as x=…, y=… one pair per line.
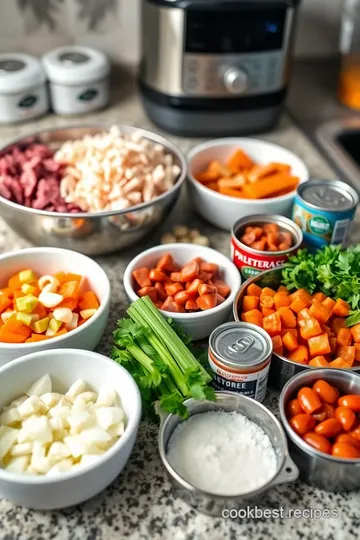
x=308, y=331
x=194, y=285
x=50, y=298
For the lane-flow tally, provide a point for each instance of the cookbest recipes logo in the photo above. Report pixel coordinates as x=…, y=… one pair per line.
x=256, y=512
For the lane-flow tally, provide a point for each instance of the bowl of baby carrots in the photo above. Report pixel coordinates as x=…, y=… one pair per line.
x=50, y=298
x=236, y=177
x=308, y=331
x=193, y=285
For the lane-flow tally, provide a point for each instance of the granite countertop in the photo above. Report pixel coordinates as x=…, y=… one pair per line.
x=139, y=505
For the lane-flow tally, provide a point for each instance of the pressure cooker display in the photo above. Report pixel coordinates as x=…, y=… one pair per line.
x=222, y=32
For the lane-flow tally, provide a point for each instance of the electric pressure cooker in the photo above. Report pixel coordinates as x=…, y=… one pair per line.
x=216, y=67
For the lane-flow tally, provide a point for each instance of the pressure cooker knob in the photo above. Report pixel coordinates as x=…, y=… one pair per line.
x=236, y=80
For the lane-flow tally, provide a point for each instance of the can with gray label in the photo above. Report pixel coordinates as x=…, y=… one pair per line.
x=239, y=356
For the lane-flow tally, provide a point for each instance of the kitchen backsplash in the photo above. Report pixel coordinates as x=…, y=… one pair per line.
x=112, y=26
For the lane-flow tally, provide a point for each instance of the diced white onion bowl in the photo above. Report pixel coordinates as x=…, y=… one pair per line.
x=49, y=261
x=198, y=325
x=224, y=211
x=65, y=366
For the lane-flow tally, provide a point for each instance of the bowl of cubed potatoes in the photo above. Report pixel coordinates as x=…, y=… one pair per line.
x=68, y=423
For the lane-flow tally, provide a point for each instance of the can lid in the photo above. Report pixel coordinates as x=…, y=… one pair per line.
x=329, y=195
x=240, y=343
x=19, y=73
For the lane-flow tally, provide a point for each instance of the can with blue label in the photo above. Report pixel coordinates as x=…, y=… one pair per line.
x=324, y=210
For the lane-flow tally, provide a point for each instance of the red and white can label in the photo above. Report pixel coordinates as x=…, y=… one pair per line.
x=251, y=264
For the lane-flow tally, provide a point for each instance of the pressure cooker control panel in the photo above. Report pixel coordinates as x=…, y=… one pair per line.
x=234, y=53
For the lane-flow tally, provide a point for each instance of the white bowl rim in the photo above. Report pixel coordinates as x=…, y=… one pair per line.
x=239, y=140
x=19, y=478
x=202, y=249
x=146, y=134
x=64, y=252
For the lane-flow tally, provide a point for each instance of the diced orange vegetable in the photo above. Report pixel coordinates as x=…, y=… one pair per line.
x=207, y=301
x=319, y=345
x=355, y=330
x=239, y=161
x=344, y=337
x=191, y=306
x=148, y=291
x=326, y=329
x=329, y=303
x=89, y=301
x=277, y=345
x=318, y=361
x=205, y=288
x=166, y=263
x=310, y=329
x=267, y=311
x=267, y=302
x=288, y=319
x=303, y=293
x=283, y=289
x=336, y=325
x=13, y=331
x=176, y=276
x=319, y=296
x=292, y=331
x=347, y=353
x=172, y=288
x=193, y=288
x=219, y=299
x=250, y=302
x=172, y=306
x=37, y=337
x=300, y=355
x=290, y=341
x=357, y=352
x=320, y=312
x=299, y=303
x=14, y=282
x=272, y=324
x=161, y=293
x=266, y=291
x=156, y=274
x=254, y=290
x=70, y=289
x=254, y=317
x=141, y=276
x=181, y=297
x=210, y=268
x=190, y=271
x=339, y=363
x=281, y=300
x=341, y=308
x=333, y=344
x=5, y=302
x=222, y=288
x=70, y=303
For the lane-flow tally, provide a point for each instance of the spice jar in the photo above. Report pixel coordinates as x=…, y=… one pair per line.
x=349, y=80
x=79, y=79
x=23, y=92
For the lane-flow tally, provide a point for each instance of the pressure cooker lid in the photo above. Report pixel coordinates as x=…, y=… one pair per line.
x=224, y=4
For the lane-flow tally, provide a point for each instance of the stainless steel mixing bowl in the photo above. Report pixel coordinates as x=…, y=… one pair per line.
x=91, y=233
x=208, y=503
x=318, y=469
x=281, y=368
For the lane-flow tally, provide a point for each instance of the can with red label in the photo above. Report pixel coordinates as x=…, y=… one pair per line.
x=239, y=356
x=252, y=262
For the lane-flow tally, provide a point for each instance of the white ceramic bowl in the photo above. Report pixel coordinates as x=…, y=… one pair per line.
x=200, y=324
x=65, y=366
x=222, y=210
x=48, y=261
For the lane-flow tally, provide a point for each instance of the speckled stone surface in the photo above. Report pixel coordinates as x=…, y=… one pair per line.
x=139, y=505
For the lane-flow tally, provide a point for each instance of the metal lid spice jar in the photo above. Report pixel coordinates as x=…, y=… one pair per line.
x=79, y=79
x=23, y=93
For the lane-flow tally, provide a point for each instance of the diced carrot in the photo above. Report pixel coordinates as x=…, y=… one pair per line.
x=62, y=332
x=329, y=303
x=72, y=277
x=310, y=329
x=210, y=268
x=239, y=161
x=290, y=341
x=148, y=291
x=320, y=312
x=207, y=301
x=254, y=290
x=41, y=311
x=277, y=345
x=176, y=276
x=204, y=288
x=193, y=288
x=70, y=303
x=304, y=315
x=250, y=302
x=272, y=324
x=219, y=299
x=293, y=331
x=270, y=186
x=260, y=245
x=156, y=274
x=357, y=352
x=191, y=306
x=181, y=297
x=299, y=303
x=281, y=300
x=18, y=294
x=341, y=308
x=347, y=354
x=319, y=345
x=14, y=331
x=36, y=337
x=161, y=293
x=336, y=324
x=206, y=177
x=333, y=344
x=344, y=337
x=355, y=330
x=303, y=293
x=254, y=317
x=283, y=289
x=158, y=304
x=14, y=282
x=6, y=292
x=326, y=329
x=267, y=311
x=299, y=355
x=173, y=288
x=267, y=302
x=89, y=301
x=319, y=361
x=60, y=276
x=339, y=363
x=70, y=289
x=271, y=227
x=166, y=264
x=5, y=302
x=319, y=296
x=205, y=276
x=172, y=306
x=141, y=276
x=190, y=271
x=266, y=291
x=222, y=288
x=288, y=319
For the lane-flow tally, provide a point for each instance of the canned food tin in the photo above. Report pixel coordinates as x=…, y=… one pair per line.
x=252, y=262
x=324, y=210
x=239, y=356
